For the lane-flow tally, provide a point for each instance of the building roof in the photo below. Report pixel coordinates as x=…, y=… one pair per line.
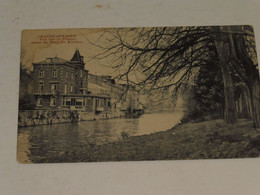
x=95, y=87
x=55, y=60
x=76, y=56
x=77, y=59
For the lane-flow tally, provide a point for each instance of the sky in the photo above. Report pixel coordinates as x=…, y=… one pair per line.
x=37, y=45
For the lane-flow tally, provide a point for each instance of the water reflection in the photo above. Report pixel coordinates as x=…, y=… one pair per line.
x=41, y=142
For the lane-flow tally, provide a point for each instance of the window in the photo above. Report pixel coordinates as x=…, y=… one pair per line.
x=39, y=101
x=81, y=91
x=67, y=74
x=41, y=73
x=53, y=101
x=88, y=102
x=74, y=101
x=40, y=86
x=81, y=83
x=65, y=88
x=54, y=73
x=71, y=88
x=72, y=75
x=54, y=86
x=80, y=73
x=79, y=101
x=101, y=103
x=68, y=101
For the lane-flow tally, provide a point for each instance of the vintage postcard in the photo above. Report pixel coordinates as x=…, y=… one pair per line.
x=130, y=94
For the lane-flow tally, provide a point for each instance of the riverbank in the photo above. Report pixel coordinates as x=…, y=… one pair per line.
x=205, y=140
x=27, y=118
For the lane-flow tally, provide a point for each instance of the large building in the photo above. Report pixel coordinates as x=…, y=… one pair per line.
x=62, y=84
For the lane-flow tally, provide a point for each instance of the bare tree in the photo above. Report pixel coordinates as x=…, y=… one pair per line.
x=156, y=58
x=165, y=59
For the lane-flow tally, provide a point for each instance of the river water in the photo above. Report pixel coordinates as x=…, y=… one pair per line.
x=39, y=142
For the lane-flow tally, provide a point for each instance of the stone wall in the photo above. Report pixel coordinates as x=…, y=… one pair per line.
x=48, y=117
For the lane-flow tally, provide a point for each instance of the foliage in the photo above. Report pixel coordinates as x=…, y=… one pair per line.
x=205, y=96
x=27, y=102
x=26, y=98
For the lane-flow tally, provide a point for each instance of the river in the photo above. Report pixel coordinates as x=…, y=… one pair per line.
x=39, y=142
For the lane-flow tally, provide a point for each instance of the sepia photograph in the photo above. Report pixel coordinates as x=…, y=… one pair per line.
x=138, y=94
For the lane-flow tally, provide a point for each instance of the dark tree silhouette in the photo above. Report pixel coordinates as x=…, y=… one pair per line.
x=244, y=61
x=166, y=59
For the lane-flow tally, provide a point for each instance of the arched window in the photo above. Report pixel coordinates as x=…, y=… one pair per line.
x=40, y=86
x=71, y=88
x=53, y=101
x=53, y=86
x=39, y=101
x=80, y=73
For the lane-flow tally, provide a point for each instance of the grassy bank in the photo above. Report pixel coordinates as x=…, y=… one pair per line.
x=204, y=140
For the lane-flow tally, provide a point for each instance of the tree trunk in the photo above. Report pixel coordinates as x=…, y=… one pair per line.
x=248, y=103
x=230, y=115
x=254, y=92
x=246, y=106
x=249, y=74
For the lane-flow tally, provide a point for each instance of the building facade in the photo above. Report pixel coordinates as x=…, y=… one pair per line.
x=67, y=85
